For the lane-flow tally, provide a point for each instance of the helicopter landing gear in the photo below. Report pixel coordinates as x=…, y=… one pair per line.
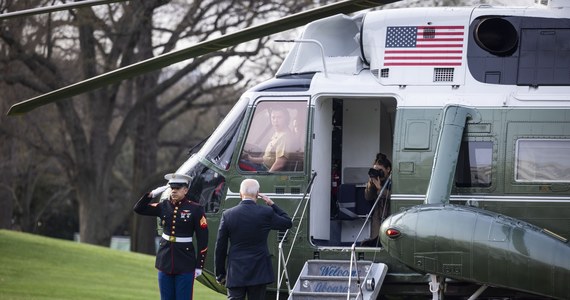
x=436, y=286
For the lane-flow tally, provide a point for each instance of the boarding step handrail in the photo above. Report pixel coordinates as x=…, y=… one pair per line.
x=353, y=256
x=281, y=256
x=327, y=279
x=283, y=261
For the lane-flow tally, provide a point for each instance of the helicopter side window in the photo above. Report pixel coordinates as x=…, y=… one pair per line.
x=542, y=160
x=276, y=138
x=474, y=164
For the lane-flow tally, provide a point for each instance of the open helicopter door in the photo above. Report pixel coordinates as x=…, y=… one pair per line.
x=348, y=132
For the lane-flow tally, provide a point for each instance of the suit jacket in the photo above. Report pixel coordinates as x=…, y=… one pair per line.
x=246, y=226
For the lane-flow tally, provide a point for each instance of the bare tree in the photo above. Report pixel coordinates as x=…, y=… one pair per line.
x=88, y=135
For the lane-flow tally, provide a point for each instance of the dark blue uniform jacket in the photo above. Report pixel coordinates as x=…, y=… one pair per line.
x=182, y=219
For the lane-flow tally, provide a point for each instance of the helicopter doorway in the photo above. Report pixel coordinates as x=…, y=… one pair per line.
x=348, y=133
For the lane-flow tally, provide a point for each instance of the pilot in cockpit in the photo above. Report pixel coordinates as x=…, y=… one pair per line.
x=276, y=154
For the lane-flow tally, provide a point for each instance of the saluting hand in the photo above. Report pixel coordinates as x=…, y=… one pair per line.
x=158, y=191
x=267, y=200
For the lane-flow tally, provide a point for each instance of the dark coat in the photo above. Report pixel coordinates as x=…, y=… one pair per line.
x=246, y=227
x=371, y=193
x=183, y=219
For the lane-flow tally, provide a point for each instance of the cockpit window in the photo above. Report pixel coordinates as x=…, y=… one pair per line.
x=221, y=144
x=208, y=184
x=276, y=138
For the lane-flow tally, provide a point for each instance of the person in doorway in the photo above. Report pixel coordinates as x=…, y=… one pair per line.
x=378, y=175
x=279, y=147
x=246, y=228
x=176, y=260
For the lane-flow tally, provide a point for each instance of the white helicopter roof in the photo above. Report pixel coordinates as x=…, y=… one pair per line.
x=363, y=52
x=345, y=51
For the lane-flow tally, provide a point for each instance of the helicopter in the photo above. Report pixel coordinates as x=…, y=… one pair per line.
x=470, y=104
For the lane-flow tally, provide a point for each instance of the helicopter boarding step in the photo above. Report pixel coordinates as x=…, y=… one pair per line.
x=328, y=279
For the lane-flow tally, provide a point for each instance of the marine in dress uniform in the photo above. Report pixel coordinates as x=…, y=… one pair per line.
x=181, y=218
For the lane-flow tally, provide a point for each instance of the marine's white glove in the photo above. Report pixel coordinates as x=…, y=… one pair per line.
x=197, y=272
x=158, y=191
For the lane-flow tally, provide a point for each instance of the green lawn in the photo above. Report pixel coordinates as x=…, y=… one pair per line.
x=36, y=267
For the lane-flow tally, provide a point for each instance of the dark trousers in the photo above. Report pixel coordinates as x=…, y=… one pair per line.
x=176, y=287
x=253, y=292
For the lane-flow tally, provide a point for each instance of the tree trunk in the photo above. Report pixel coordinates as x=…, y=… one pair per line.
x=93, y=227
x=146, y=145
x=146, y=138
x=6, y=187
x=7, y=204
x=143, y=235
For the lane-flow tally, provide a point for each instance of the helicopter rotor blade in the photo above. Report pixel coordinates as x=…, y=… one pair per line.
x=52, y=8
x=228, y=40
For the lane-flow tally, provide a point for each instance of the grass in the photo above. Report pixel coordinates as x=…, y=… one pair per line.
x=35, y=267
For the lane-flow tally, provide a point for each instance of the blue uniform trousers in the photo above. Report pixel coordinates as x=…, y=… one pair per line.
x=176, y=286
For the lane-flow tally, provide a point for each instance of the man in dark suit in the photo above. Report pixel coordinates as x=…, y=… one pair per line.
x=246, y=227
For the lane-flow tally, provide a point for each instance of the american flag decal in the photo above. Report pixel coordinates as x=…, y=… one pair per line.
x=424, y=46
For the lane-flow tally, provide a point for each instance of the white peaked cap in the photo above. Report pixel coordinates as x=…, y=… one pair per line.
x=177, y=178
